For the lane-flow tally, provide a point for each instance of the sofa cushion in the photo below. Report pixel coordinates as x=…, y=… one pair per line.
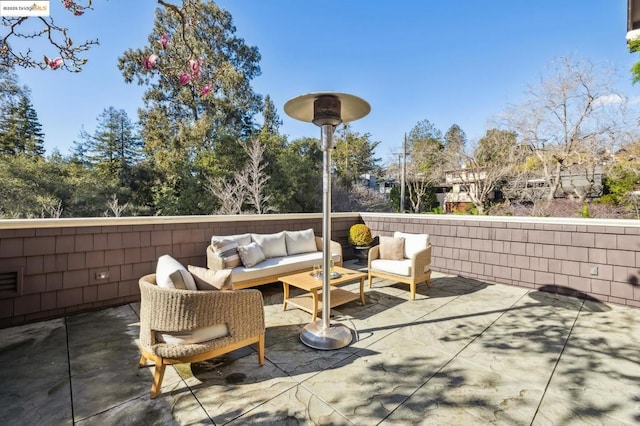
x=251, y=254
x=279, y=266
x=391, y=248
x=272, y=245
x=300, y=241
x=171, y=274
x=198, y=335
x=208, y=279
x=227, y=249
x=397, y=267
x=413, y=243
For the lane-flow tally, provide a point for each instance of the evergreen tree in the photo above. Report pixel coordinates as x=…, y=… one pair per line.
x=21, y=132
x=454, y=144
x=354, y=155
x=300, y=188
x=271, y=121
x=80, y=151
x=116, y=146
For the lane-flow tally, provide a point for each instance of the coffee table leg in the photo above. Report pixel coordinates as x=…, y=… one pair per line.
x=314, y=295
x=362, y=291
x=285, y=296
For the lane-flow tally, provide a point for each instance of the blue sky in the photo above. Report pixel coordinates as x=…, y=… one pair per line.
x=454, y=61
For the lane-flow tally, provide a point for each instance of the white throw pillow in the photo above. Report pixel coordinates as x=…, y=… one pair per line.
x=300, y=241
x=272, y=245
x=208, y=279
x=251, y=254
x=199, y=335
x=171, y=274
x=413, y=243
x=241, y=239
x=391, y=248
x=227, y=249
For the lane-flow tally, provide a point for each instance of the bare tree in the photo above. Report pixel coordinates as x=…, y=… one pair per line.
x=254, y=177
x=114, y=207
x=50, y=207
x=572, y=110
x=231, y=193
x=492, y=161
x=246, y=187
x=358, y=198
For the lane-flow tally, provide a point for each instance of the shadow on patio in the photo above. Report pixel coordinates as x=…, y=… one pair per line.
x=463, y=352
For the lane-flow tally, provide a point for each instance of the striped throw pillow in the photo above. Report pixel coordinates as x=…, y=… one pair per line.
x=228, y=251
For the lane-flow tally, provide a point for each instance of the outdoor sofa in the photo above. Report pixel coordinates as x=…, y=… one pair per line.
x=256, y=259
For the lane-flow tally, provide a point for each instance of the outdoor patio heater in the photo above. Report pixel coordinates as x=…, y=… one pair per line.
x=326, y=110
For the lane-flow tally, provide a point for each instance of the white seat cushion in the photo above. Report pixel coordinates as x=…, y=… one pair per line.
x=171, y=274
x=413, y=243
x=196, y=336
x=272, y=245
x=397, y=267
x=300, y=241
x=278, y=266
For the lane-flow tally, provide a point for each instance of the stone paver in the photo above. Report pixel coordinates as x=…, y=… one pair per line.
x=463, y=352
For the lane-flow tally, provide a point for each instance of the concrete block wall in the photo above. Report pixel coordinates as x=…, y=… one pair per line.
x=60, y=261
x=575, y=256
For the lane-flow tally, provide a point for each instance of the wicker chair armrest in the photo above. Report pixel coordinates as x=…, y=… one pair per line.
x=374, y=253
x=421, y=260
x=214, y=261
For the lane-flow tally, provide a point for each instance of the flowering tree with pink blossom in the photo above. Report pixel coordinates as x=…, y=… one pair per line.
x=65, y=54
x=198, y=101
x=194, y=57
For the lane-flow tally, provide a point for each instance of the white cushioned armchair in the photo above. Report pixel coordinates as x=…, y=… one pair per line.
x=404, y=258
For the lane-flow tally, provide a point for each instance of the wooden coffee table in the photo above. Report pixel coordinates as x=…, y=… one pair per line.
x=312, y=301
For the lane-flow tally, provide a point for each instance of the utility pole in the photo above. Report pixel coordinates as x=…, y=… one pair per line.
x=402, y=165
x=404, y=172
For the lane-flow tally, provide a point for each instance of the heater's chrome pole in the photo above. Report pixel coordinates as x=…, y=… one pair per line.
x=326, y=110
x=327, y=146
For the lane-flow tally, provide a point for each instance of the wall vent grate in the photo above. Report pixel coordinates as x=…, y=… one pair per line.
x=10, y=283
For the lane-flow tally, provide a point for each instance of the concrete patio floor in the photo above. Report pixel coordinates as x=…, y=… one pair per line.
x=464, y=352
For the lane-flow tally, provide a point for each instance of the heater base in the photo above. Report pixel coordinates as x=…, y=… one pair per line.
x=335, y=337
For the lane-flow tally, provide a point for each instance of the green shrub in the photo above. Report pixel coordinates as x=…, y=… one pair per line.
x=360, y=235
x=584, y=212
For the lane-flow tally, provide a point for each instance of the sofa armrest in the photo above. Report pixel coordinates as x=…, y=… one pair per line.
x=421, y=260
x=214, y=261
x=334, y=246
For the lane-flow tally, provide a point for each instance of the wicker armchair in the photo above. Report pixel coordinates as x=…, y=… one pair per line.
x=174, y=311
x=418, y=271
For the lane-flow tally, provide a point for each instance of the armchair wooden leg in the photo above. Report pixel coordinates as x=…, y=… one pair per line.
x=142, y=362
x=261, y=349
x=158, y=375
x=413, y=291
x=370, y=280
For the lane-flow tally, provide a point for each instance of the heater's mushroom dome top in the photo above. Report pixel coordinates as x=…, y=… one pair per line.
x=351, y=107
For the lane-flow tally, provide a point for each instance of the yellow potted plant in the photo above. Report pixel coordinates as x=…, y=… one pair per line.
x=361, y=240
